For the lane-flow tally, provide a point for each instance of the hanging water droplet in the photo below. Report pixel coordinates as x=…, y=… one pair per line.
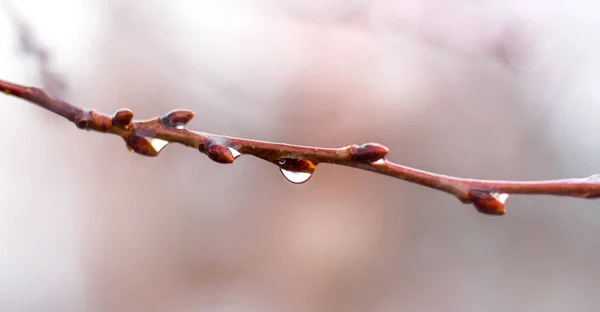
x=379, y=162
x=296, y=177
x=234, y=152
x=501, y=197
x=158, y=144
x=179, y=126
x=297, y=170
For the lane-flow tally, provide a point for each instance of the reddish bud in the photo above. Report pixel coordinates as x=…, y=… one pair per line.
x=219, y=153
x=370, y=152
x=123, y=117
x=177, y=117
x=141, y=145
x=486, y=203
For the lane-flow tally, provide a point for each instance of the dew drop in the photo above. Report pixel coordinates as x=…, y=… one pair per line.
x=234, y=152
x=296, y=177
x=282, y=162
x=158, y=144
x=379, y=162
x=501, y=197
x=180, y=126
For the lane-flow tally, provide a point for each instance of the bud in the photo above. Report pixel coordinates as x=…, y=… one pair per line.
x=177, y=117
x=370, y=152
x=486, y=203
x=141, y=145
x=219, y=153
x=123, y=117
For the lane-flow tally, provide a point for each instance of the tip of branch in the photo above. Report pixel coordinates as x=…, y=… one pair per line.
x=177, y=117
x=486, y=203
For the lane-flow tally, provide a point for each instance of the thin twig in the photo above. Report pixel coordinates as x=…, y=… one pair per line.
x=148, y=137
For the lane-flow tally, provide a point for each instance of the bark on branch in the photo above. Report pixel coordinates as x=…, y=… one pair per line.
x=297, y=163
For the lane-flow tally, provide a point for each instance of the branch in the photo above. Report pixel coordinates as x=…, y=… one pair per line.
x=297, y=163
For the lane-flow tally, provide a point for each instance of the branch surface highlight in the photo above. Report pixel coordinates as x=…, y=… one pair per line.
x=297, y=163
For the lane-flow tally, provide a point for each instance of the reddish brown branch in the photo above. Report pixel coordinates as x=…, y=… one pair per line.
x=148, y=137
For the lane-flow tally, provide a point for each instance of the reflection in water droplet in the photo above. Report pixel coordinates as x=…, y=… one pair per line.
x=296, y=170
x=296, y=177
x=179, y=126
x=234, y=152
x=501, y=197
x=158, y=144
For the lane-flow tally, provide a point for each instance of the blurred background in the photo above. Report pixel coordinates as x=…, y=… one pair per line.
x=482, y=89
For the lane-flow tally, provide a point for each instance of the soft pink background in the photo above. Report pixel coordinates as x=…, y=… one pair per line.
x=490, y=89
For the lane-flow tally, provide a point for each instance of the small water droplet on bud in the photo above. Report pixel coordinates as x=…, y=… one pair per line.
x=234, y=152
x=158, y=144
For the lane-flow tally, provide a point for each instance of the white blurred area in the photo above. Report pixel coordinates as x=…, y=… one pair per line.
x=484, y=89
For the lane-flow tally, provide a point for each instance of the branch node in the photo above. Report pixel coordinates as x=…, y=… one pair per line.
x=82, y=119
x=91, y=120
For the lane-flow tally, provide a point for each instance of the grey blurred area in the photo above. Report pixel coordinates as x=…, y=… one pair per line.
x=482, y=89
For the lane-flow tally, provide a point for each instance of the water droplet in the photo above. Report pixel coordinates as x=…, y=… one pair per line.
x=234, y=152
x=296, y=177
x=501, y=197
x=379, y=162
x=158, y=144
x=297, y=170
x=179, y=126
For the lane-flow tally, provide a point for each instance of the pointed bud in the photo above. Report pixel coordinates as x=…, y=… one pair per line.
x=141, y=145
x=178, y=117
x=219, y=153
x=486, y=203
x=370, y=152
x=123, y=117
